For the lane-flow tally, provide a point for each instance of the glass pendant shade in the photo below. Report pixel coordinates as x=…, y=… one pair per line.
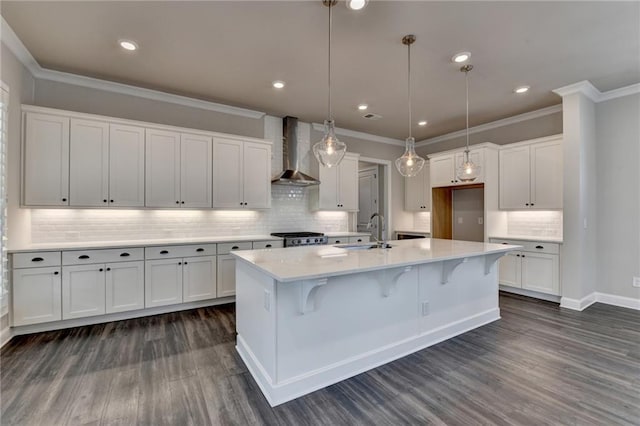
x=410, y=163
x=468, y=171
x=329, y=151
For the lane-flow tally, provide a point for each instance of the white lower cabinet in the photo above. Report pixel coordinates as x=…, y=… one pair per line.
x=83, y=291
x=226, y=275
x=163, y=282
x=36, y=295
x=509, y=270
x=198, y=278
x=124, y=286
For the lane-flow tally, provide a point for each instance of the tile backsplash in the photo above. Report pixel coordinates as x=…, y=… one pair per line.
x=535, y=223
x=289, y=212
x=422, y=220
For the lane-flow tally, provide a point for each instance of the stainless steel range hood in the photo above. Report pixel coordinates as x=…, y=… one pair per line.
x=291, y=174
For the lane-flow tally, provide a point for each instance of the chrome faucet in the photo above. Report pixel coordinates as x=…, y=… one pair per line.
x=381, y=226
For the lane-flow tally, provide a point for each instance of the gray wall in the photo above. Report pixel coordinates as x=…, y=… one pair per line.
x=536, y=128
x=20, y=84
x=94, y=101
x=618, y=188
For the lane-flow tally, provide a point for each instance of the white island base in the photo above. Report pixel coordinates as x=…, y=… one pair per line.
x=300, y=335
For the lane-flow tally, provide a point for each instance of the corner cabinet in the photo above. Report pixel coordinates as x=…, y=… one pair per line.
x=531, y=175
x=338, y=189
x=417, y=191
x=241, y=174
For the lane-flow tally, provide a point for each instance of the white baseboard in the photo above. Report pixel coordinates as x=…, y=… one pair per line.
x=529, y=293
x=5, y=336
x=607, y=299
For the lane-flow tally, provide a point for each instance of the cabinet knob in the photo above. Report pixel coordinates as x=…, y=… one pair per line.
x=179, y=263
x=111, y=201
x=526, y=204
x=181, y=202
x=532, y=204
x=523, y=255
x=338, y=241
x=100, y=269
x=241, y=203
x=64, y=199
x=185, y=263
x=518, y=255
x=177, y=202
x=108, y=269
x=104, y=201
x=56, y=273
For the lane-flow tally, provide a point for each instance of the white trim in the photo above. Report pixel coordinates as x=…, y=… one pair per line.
x=551, y=138
x=4, y=86
x=5, y=336
x=589, y=90
x=632, y=89
x=14, y=44
x=621, y=301
x=578, y=304
x=360, y=135
x=494, y=124
x=388, y=172
x=530, y=293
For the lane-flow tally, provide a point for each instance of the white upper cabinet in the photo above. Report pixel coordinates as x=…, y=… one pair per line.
x=417, y=191
x=46, y=160
x=89, y=163
x=195, y=171
x=241, y=174
x=531, y=176
x=338, y=189
x=444, y=168
x=126, y=166
x=162, y=168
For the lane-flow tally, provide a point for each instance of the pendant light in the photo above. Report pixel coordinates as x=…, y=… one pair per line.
x=468, y=171
x=410, y=163
x=329, y=151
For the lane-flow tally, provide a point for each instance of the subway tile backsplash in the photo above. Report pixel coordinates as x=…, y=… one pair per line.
x=422, y=220
x=289, y=212
x=535, y=223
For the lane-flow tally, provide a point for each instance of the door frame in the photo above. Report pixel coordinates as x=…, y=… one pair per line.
x=386, y=169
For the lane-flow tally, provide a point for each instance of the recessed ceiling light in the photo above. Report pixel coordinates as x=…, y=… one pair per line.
x=363, y=107
x=461, y=57
x=521, y=89
x=278, y=84
x=357, y=4
x=422, y=123
x=128, y=45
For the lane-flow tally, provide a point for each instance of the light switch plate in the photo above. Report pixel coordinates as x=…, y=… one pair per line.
x=267, y=301
x=636, y=282
x=460, y=220
x=425, y=309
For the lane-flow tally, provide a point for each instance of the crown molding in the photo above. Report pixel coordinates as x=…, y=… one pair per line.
x=11, y=40
x=589, y=90
x=360, y=135
x=493, y=125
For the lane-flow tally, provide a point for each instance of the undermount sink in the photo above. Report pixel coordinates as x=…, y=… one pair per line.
x=366, y=246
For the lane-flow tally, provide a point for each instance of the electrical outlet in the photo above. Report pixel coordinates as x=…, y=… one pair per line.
x=425, y=309
x=480, y=221
x=636, y=282
x=267, y=301
x=460, y=219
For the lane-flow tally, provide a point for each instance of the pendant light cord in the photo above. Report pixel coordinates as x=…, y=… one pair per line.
x=329, y=62
x=466, y=78
x=409, y=83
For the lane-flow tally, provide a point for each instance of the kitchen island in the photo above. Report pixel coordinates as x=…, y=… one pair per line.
x=309, y=317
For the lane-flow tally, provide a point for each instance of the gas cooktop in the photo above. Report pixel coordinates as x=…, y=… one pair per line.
x=293, y=239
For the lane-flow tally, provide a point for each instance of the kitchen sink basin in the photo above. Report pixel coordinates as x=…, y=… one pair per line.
x=366, y=246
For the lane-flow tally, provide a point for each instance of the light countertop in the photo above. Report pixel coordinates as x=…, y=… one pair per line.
x=346, y=234
x=80, y=245
x=414, y=231
x=528, y=238
x=293, y=264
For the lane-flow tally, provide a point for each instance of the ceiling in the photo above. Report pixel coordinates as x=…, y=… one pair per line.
x=231, y=51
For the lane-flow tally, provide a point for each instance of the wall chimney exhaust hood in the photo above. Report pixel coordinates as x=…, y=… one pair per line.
x=291, y=175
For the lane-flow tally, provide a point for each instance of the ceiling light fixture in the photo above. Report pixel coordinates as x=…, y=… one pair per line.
x=363, y=107
x=521, y=89
x=128, y=45
x=329, y=151
x=468, y=171
x=422, y=123
x=278, y=84
x=410, y=163
x=461, y=57
x=356, y=4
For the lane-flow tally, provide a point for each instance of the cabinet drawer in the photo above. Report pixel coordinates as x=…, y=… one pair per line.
x=36, y=259
x=268, y=244
x=225, y=248
x=540, y=247
x=360, y=239
x=168, y=252
x=84, y=257
x=338, y=240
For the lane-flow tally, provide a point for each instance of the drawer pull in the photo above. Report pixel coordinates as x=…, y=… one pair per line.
x=539, y=247
x=359, y=240
x=164, y=252
x=84, y=256
x=235, y=248
x=505, y=243
x=338, y=241
x=124, y=255
x=200, y=249
x=268, y=246
x=56, y=273
x=37, y=259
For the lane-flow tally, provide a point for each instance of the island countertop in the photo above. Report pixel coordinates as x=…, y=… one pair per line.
x=301, y=263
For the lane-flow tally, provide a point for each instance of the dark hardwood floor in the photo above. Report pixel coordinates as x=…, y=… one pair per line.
x=538, y=365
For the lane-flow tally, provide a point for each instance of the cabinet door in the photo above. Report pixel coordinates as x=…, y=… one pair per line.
x=226, y=276
x=328, y=190
x=442, y=171
x=126, y=166
x=162, y=282
x=124, y=286
x=514, y=178
x=162, y=168
x=83, y=291
x=416, y=191
x=509, y=269
x=199, y=278
x=89, y=163
x=195, y=171
x=348, y=183
x=541, y=272
x=37, y=295
x=46, y=160
x=257, y=175
x=477, y=157
x=227, y=173
x=546, y=175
